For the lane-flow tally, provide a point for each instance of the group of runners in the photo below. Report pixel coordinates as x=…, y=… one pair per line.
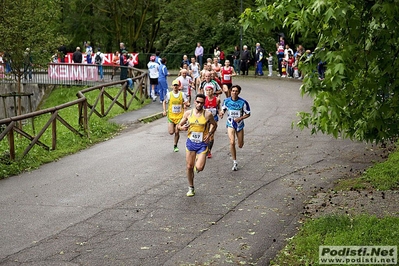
x=201, y=121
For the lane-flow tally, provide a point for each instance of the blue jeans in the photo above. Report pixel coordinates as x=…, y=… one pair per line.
x=200, y=61
x=236, y=65
x=100, y=71
x=259, y=70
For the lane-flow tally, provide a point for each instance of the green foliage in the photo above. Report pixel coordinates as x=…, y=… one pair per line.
x=28, y=24
x=67, y=142
x=303, y=249
x=170, y=26
x=173, y=26
x=358, y=40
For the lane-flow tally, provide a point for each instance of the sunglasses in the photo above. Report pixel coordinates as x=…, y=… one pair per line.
x=199, y=102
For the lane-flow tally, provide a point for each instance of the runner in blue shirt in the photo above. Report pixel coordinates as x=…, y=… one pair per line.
x=237, y=110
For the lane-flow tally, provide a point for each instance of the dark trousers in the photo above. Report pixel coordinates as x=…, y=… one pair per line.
x=244, y=67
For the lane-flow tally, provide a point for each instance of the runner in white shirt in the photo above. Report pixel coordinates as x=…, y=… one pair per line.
x=194, y=68
x=185, y=82
x=153, y=71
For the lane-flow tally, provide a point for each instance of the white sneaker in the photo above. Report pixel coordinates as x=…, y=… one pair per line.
x=191, y=192
x=235, y=167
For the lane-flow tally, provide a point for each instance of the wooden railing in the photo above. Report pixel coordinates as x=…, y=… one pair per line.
x=134, y=88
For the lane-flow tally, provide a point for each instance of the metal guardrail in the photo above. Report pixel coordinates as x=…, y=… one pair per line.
x=134, y=88
x=72, y=74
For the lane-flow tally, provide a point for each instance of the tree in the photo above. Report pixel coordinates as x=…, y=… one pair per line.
x=28, y=28
x=357, y=40
x=29, y=24
x=106, y=23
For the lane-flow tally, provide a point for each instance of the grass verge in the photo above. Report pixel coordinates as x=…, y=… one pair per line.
x=303, y=249
x=67, y=142
x=346, y=230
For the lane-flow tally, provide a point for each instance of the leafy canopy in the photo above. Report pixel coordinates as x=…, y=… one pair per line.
x=358, y=99
x=28, y=24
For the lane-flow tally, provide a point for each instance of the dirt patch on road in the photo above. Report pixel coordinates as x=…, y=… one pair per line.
x=356, y=202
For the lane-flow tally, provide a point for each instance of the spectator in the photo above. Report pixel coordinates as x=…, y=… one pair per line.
x=54, y=57
x=122, y=48
x=282, y=41
x=199, y=53
x=295, y=66
x=130, y=64
x=115, y=64
x=299, y=50
x=123, y=61
x=236, y=60
x=28, y=63
x=283, y=68
x=321, y=68
x=245, y=59
x=77, y=56
x=216, y=53
x=280, y=56
x=270, y=64
x=290, y=62
x=99, y=60
x=259, y=53
x=222, y=57
x=62, y=53
x=89, y=53
x=7, y=60
x=287, y=50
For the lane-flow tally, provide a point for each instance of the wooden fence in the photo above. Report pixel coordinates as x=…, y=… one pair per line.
x=133, y=88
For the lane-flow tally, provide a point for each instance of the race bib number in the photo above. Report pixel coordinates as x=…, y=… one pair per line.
x=176, y=109
x=212, y=110
x=196, y=137
x=234, y=113
x=227, y=77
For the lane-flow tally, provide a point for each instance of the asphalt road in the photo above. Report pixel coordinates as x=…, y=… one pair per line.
x=123, y=202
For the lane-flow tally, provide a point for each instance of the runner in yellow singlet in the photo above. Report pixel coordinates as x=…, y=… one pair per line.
x=176, y=101
x=200, y=125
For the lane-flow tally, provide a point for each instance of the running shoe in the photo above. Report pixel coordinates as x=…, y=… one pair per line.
x=209, y=155
x=191, y=192
x=175, y=149
x=235, y=167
